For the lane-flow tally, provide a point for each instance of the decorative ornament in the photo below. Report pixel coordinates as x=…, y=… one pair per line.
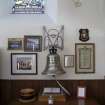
x=84, y=35
x=77, y=3
x=53, y=37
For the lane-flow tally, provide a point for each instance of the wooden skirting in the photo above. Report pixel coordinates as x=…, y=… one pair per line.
x=9, y=88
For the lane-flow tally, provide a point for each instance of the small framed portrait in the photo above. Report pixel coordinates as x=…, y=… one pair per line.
x=23, y=63
x=68, y=61
x=81, y=92
x=84, y=58
x=33, y=43
x=15, y=43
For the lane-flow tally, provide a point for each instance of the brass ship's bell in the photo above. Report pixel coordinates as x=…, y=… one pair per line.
x=53, y=66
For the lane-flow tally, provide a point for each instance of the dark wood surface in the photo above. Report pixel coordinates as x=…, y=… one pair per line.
x=68, y=102
x=9, y=88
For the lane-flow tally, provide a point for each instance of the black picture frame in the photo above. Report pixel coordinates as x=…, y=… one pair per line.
x=24, y=64
x=33, y=43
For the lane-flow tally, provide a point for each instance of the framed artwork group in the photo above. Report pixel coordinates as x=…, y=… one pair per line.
x=26, y=63
x=83, y=60
x=28, y=43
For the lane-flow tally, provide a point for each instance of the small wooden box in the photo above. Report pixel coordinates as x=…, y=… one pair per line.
x=56, y=97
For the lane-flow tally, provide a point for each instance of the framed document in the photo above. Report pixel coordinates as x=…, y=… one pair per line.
x=68, y=61
x=81, y=92
x=85, y=57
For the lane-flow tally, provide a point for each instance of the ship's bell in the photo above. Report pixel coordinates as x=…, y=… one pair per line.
x=53, y=66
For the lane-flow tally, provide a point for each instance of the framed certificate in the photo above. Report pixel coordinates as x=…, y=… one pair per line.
x=84, y=58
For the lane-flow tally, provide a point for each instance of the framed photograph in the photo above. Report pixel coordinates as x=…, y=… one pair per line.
x=15, y=43
x=23, y=63
x=84, y=58
x=68, y=61
x=33, y=43
x=81, y=92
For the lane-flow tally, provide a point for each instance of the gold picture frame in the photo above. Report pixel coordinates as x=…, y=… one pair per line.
x=84, y=58
x=15, y=43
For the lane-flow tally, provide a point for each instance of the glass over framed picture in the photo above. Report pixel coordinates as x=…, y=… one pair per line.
x=68, y=61
x=15, y=43
x=81, y=92
x=28, y=6
x=84, y=58
x=33, y=43
x=23, y=63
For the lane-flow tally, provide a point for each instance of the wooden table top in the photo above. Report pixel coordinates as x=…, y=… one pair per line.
x=68, y=102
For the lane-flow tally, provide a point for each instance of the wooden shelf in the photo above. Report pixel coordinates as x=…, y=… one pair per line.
x=68, y=102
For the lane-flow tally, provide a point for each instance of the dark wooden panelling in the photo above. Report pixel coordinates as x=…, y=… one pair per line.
x=97, y=88
x=10, y=88
x=5, y=92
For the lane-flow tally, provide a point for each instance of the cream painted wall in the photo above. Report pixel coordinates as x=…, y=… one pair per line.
x=90, y=15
